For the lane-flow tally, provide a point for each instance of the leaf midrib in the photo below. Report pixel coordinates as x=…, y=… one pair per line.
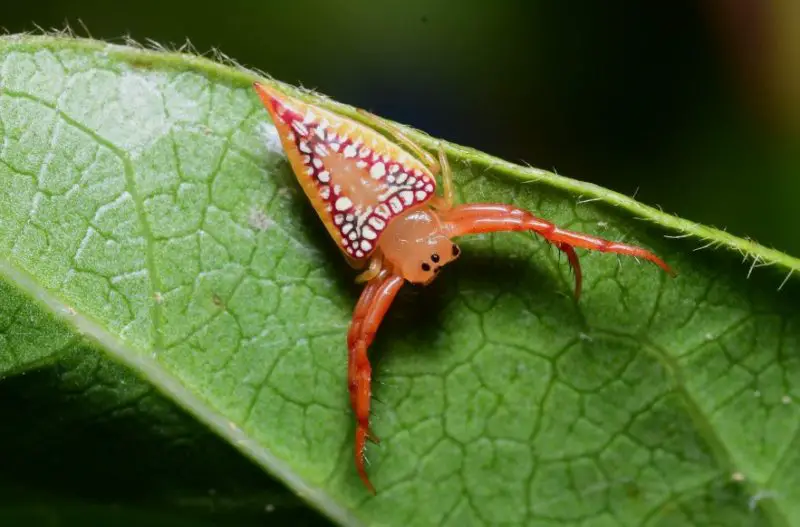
x=152, y=371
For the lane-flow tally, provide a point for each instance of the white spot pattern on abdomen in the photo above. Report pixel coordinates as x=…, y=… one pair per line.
x=359, y=225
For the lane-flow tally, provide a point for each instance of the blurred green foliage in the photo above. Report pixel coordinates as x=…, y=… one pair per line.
x=668, y=101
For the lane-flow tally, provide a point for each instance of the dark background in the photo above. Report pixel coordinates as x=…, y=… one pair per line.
x=692, y=105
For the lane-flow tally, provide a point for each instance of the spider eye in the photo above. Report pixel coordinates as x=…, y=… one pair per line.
x=435, y=258
x=456, y=250
x=425, y=266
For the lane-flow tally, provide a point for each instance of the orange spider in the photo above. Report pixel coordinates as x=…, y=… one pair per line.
x=379, y=204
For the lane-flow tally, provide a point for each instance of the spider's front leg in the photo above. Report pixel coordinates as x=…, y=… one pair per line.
x=373, y=304
x=437, y=165
x=476, y=218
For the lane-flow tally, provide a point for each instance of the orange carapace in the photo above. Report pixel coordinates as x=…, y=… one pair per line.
x=377, y=198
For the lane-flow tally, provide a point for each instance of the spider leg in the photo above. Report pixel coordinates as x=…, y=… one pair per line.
x=572, y=257
x=400, y=136
x=443, y=202
x=375, y=300
x=374, y=269
x=476, y=218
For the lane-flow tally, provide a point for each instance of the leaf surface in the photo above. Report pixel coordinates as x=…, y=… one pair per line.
x=149, y=220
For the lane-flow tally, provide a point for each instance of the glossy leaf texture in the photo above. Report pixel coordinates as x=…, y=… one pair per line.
x=169, y=296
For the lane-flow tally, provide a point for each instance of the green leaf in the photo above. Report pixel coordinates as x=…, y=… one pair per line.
x=79, y=421
x=154, y=237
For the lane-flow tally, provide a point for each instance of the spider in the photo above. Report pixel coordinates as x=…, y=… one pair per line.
x=378, y=200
